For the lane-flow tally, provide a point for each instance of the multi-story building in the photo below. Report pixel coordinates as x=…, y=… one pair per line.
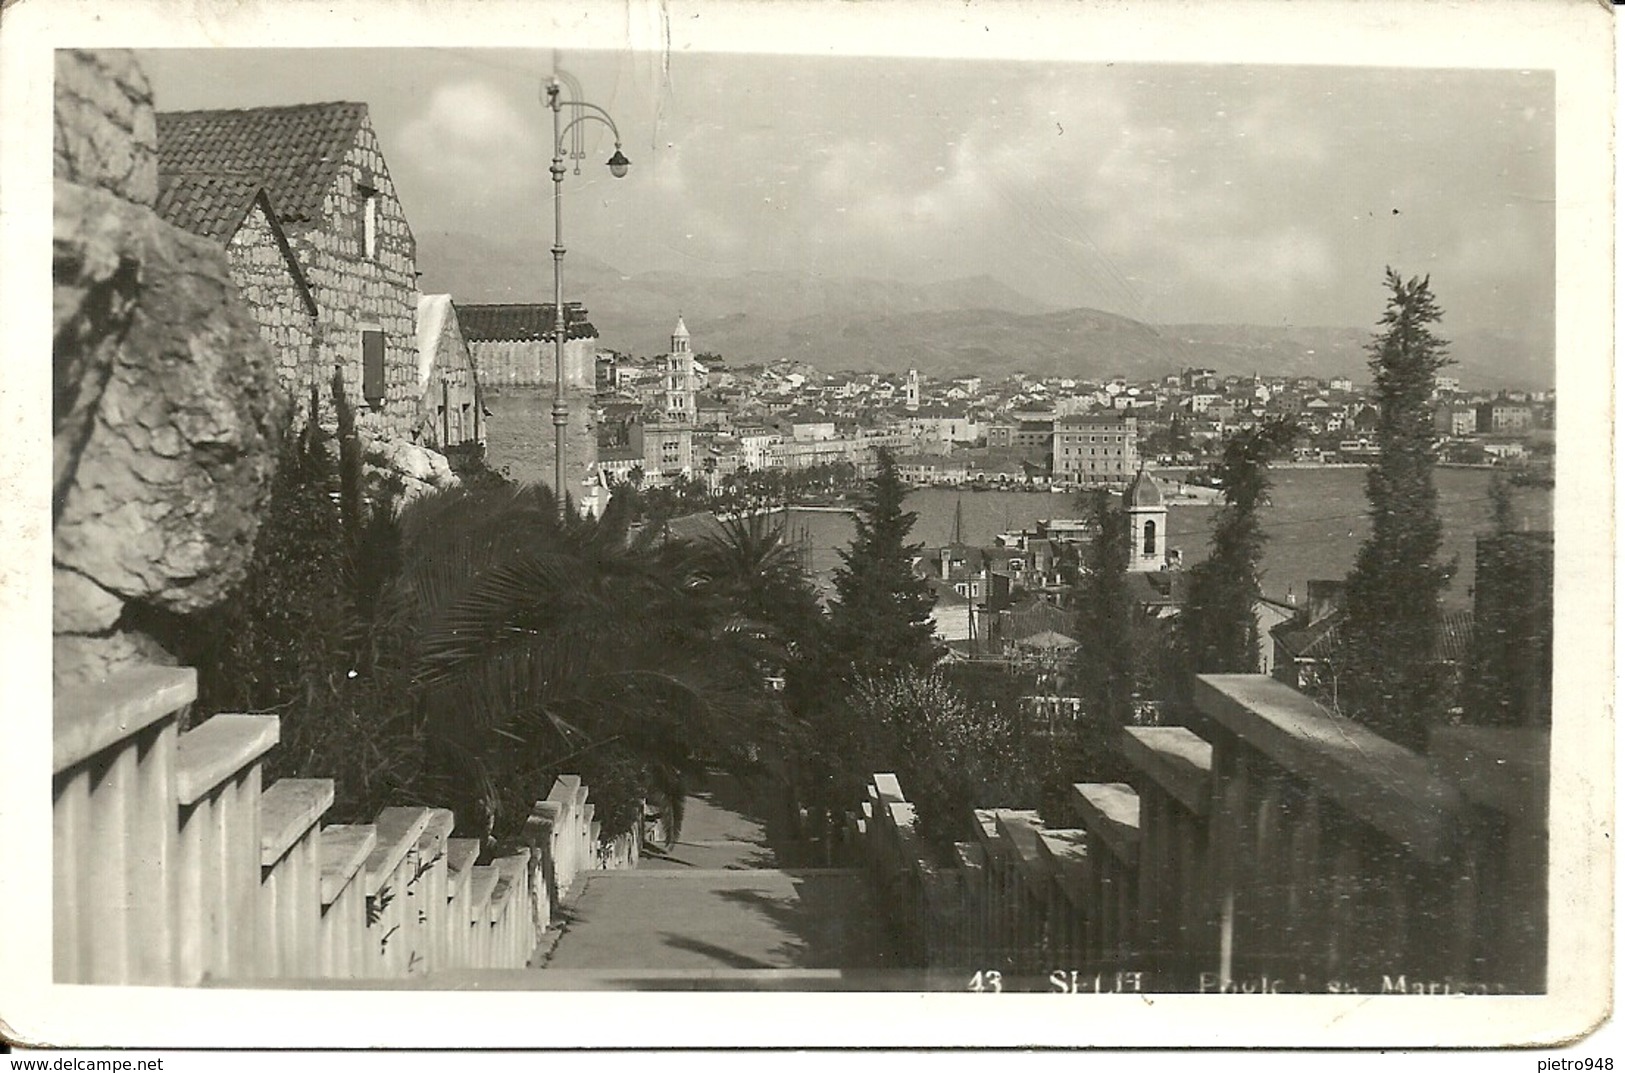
x=668, y=449
x=1096, y=449
x=939, y=427
x=1199, y=380
x=1034, y=437
x=755, y=444
x=1455, y=420
x=1000, y=434
x=1505, y=417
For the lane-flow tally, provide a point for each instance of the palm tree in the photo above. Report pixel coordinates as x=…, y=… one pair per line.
x=546, y=644
x=753, y=567
x=751, y=563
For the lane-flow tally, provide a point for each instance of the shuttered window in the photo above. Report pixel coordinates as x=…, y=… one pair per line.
x=372, y=367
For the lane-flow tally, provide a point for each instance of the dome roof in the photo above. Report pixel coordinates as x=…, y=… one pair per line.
x=1142, y=492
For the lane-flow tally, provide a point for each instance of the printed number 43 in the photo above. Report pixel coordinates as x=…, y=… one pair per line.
x=989, y=980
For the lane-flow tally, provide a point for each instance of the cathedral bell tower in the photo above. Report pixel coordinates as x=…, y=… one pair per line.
x=680, y=405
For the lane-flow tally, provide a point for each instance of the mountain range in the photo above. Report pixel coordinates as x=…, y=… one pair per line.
x=968, y=325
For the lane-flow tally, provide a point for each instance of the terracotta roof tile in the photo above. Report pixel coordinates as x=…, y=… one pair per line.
x=213, y=206
x=1452, y=643
x=522, y=322
x=296, y=151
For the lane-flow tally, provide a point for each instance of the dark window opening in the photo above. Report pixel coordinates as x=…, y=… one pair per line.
x=372, y=367
x=1150, y=538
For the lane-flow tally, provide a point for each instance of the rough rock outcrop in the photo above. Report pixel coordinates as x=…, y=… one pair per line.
x=166, y=405
x=418, y=469
x=106, y=130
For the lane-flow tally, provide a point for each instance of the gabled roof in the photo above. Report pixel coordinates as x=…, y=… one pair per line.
x=295, y=151
x=694, y=526
x=1315, y=641
x=210, y=204
x=523, y=322
x=435, y=312
x=1017, y=623
x=215, y=206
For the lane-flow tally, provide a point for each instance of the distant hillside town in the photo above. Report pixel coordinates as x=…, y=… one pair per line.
x=689, y=413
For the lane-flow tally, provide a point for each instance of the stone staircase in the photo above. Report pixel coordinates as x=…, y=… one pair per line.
x=718, y=910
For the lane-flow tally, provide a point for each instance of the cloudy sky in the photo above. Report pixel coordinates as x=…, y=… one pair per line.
x=1218, y=193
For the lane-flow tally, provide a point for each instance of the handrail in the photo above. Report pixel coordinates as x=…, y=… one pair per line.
x=1377, y=780
x=87, y=719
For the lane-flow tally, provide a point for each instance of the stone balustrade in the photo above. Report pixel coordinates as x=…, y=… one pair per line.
x=1282, y=848
x=172, y=865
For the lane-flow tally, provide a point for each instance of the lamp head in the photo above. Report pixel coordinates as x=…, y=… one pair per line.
x=618, y=164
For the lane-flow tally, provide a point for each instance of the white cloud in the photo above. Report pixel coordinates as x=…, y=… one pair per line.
x=472, y=136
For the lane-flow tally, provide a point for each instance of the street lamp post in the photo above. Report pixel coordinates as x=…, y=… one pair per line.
x=618, y=164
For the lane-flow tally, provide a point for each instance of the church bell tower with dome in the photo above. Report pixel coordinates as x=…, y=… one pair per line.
x=1147, y=524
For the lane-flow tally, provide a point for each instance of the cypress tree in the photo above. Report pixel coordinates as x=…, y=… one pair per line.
x=1220, y=627
x=1509, y=679
x=1389, y=676
x=883, y=617
x=1105, y=659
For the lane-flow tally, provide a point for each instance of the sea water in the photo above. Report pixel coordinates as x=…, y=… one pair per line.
x=1315, y=524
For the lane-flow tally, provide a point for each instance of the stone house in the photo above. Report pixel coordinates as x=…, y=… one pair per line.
x=332, y=197
x=237, y=212
x=451, y=414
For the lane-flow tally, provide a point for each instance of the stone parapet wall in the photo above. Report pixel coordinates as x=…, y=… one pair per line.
x=106, y=135
x=183, y=868
x=1285, y=849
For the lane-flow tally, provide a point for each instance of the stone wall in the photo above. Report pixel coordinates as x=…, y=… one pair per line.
x=261, y=271
x=165, y=408
x=529, y=363
x=353, y=291
x=519, y=441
